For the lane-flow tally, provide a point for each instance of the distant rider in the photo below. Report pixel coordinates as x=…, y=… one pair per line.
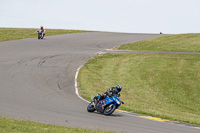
x=43, y=30
x=110, y=92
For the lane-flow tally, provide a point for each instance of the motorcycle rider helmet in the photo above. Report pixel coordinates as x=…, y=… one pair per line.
x=118, y=87
x=41, y=27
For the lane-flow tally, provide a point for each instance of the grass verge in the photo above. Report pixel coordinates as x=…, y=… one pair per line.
x=21, y=33
x=162, y=85
x=171, y=43
x=15, y=126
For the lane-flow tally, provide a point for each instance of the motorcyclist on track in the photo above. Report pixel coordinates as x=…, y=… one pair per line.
x=110, y=92
x=43, y=30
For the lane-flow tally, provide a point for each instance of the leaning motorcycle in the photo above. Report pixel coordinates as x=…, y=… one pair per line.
x=40, y=34
x=106, y=106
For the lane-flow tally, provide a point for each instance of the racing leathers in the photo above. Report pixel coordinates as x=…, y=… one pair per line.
x=43, y=30
x=110, y=92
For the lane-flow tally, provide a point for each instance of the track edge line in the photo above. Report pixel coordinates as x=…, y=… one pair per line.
x=76, y=84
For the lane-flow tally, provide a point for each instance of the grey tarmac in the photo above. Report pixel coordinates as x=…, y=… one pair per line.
x=37, y=83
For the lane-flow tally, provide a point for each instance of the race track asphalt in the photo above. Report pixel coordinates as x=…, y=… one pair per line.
x=37, y=83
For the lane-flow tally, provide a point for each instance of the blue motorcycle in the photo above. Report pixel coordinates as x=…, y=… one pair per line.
x=106, y=106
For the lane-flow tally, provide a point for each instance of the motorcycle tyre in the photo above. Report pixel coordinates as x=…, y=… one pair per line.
x=90, y=109
x=111, y=111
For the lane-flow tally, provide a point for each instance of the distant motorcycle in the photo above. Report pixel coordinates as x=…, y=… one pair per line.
x=106, y=106
x=40, y=34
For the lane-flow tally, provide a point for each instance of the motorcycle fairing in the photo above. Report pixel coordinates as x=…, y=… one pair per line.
x=101, y=105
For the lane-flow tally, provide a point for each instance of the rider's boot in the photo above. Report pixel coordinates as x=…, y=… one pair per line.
x=100, y=98
x=95, y=100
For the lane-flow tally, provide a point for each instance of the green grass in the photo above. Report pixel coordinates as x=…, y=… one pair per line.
x=162, y=85
x=171, y=43
x=21, y=33
x=15, y=126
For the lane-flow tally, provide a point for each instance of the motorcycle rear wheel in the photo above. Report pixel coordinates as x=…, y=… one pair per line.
x=90, y=108
x=109, y=109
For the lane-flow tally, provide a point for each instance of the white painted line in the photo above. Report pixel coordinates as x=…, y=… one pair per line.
x=76, y=84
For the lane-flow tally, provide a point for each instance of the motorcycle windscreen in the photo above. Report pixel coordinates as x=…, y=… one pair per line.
x=92, y=97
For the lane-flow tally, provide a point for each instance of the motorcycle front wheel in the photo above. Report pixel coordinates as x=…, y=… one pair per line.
x=109, y=109
x=90, y=108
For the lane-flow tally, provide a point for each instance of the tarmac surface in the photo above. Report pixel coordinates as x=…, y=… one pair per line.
x=37, y=83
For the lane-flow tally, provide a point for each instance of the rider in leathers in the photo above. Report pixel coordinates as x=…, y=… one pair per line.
x=43, y=30
x=110, y=92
